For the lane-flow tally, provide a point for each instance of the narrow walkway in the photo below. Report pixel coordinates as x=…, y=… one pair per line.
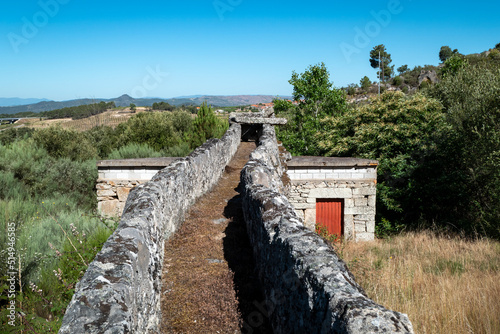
x=209, y=282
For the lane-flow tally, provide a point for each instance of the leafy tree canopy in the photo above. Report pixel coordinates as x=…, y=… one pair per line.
x=402, y=69
x=445, y=53
x=317, y=99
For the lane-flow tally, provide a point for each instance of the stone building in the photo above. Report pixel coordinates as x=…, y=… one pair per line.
x=339, y=193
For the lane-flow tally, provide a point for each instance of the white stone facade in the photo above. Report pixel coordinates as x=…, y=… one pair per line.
x=127, y=173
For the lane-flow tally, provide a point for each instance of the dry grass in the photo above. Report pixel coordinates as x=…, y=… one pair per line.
x=445, y=285
x=109, y=118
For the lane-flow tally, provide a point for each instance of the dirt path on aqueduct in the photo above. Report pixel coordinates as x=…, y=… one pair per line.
x=209, y=281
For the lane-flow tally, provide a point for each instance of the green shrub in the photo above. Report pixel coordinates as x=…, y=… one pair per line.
x=397, y=81
x=13, y=134
x=134, y=151
x=180, y=150
x=43, y=176
x=351, y=89
x=61, y=143
x=155, y=129
x=104, y=139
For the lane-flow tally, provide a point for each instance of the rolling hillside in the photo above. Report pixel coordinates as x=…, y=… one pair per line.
x=125, y=100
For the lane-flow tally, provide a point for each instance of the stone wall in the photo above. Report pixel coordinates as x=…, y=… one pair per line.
x=120, y=291
x=308, y=288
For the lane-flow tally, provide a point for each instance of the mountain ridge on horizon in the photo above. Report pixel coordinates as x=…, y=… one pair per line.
x=125, y=100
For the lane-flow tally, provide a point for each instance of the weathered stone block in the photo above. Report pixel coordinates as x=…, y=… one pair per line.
x=330, y=193
x=106, y=193
x=365, y=191
x=360, y=210
x=300, y=214
x=310, y=219
x=348, y=226
x=359, y=227
x=108, y=208
x=361, y=201
x=103, y=186
x=122, y=193
x=370, y=226
x=372, y=200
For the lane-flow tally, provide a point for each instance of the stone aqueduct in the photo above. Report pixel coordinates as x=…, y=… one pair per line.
x=307, y=287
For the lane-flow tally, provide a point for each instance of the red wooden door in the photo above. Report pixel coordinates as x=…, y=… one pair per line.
x=329, y=213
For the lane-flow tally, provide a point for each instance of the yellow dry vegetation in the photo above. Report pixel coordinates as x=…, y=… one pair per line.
x=444, y=284
x=109, y=118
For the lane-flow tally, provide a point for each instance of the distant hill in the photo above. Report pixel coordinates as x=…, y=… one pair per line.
x=16, y=101
x=125, y=100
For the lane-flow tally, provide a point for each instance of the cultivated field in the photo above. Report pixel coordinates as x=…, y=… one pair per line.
x=445, y=285
x=110, y=118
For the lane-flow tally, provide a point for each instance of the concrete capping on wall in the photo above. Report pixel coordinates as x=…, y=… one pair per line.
x=307, y=287
x=120, y=291
x=331, y=168
x=131, y=169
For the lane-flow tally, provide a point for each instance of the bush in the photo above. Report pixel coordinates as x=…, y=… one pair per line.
x=181, y=150
x=34, y=174
x=351, y=89
x=104, y=139
x=134, y=151
x=159, y=130
x=13, y=134
x=61, y=143
x=397, y=81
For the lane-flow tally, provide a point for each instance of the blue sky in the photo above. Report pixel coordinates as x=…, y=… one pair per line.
x=67, y=49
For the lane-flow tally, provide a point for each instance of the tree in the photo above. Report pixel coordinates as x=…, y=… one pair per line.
x=206, y=125
x=470, y=159
x=379, y=58
x=402, y=69
x=132, y=107
x=497, y=46
x=317, y=99
x=445, y=53
x=314, y=89
x=365, y=83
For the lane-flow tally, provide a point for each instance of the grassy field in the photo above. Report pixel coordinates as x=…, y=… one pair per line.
x=444, y=284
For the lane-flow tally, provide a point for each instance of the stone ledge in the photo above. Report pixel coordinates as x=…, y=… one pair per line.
x=146, y=162
x=309, y=161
